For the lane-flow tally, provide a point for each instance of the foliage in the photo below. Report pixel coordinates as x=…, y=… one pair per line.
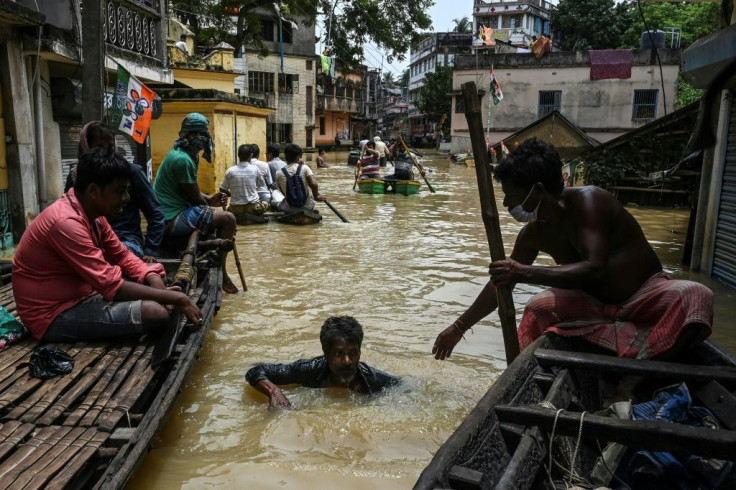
x=686, y=93
x=404, y=79
x=695, y=20
x=434, y=100
x=390, y=26
x=388, y=79
x=590, y=24
x=462, y=25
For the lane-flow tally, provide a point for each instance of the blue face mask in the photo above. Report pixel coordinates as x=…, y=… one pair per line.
x=522, y=215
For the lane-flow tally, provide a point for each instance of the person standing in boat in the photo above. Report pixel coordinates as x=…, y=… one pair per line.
x=369, y=167
x=69, y=266
x=293, y=154
x=608, y=286
x=241, y=183
x=339, y=366
x=382, y=150
x=185, y=207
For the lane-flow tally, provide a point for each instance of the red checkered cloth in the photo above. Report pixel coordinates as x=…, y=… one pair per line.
x=646, y=325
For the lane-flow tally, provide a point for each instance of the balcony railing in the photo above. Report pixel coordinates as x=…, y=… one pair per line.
x=134, y=26
x=329, y=103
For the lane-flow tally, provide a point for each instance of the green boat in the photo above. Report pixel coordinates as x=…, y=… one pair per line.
x=380, y=186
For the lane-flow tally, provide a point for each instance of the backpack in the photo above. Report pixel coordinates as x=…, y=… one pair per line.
x=296, y=195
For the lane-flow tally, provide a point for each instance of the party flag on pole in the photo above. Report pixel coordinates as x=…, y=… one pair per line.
x=496, y=89
x=130, y=111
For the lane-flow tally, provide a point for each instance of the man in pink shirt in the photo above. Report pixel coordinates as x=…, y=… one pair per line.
x=69, y=267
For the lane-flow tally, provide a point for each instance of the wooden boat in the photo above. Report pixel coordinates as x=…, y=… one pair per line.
x=504, y=442
x=303, y=217
x=380, y=186
x=92, y=427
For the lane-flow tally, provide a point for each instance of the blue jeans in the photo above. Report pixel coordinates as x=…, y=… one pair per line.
x=94, y=318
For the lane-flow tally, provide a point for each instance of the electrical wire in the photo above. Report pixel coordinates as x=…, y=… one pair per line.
x=656, y=53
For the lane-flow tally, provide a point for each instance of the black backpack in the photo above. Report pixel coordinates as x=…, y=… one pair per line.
x=296, y=194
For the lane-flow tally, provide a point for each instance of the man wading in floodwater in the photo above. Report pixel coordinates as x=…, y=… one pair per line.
x=341, y=338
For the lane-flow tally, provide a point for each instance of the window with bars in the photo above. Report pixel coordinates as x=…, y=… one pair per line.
x=549, y=101
x=645, y=104
x=511, y=21
x=288, y=84
x=259, y=81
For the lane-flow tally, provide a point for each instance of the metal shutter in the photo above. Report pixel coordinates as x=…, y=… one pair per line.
x=724, y=253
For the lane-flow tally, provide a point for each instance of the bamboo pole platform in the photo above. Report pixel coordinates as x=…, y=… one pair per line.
x=92, y=427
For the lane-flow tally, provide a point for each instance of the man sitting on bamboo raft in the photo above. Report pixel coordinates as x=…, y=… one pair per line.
x=608, y=286
x=241, y=182
x=340, y=366
x=186, y=208
x=69, y=266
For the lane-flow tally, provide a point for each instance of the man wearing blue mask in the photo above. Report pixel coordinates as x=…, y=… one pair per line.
x=608, y=286
x=185, y=207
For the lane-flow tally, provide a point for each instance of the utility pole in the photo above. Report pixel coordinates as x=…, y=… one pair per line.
x=93, y=68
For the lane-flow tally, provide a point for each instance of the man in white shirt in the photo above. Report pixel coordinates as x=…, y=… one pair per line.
x=242, y=182
x=293, y=155
x=382, y=150
x=182, y=43
x=275, y=164
x=264, y=191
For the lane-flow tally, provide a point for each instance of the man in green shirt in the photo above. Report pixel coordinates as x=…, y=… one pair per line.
x=185, y=207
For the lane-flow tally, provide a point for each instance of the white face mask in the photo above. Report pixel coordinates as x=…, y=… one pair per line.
x=522, y=215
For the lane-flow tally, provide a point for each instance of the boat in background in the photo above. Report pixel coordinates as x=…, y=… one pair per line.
x=301, y=217
x=380, y=186
x=555, y=386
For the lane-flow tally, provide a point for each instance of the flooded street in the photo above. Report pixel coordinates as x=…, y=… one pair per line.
x=405, y=268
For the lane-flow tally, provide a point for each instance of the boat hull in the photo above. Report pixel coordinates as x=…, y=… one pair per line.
x=496, y=447
x=380, y=186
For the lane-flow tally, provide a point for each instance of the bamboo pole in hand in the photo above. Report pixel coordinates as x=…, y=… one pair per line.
x=358, y=166
x=237, y=259
x=489, y=212
x=416, y=164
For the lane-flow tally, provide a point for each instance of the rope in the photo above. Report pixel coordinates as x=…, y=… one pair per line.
x=571, y=471
x=185, y=273
x=572, y=475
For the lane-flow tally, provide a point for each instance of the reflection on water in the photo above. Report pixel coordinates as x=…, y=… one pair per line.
x=405, y=267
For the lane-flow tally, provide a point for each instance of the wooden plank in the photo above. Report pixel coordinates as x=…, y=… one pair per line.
x=42, y=475
x=649, y=434
x=465, y=478
x=618, y=365
x=525, y=462
x=86, y=413
x=80, y=387
x=718, y=400
x=37, y=403
x=12, y=434
x=119, y=404
x=52, y=449
x=77, y=463
x=28, y=453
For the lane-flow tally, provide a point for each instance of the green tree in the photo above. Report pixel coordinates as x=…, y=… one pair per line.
x=590, y=24
x=694, y=20
x=434, y=101
x=686, y=93
x=391, y=26
x=388, y=80
x=462, y=25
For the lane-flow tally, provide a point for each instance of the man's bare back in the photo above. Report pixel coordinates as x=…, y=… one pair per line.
x=592, y=231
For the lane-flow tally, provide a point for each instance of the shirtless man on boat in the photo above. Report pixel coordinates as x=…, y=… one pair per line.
x=608, y=286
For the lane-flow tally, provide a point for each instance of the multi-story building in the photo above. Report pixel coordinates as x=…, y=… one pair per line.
x=561, y=81
x=439, y=48
x=340, y=108
x=513, y=21
x=285, y=79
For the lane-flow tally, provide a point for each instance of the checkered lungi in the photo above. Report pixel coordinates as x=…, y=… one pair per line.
x=644, y=326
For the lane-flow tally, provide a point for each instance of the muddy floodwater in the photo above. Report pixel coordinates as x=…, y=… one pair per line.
x=405, y=267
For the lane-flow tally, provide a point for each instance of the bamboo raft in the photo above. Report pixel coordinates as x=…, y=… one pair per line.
x=92, y=427
x=555, y=383
x=301, y=218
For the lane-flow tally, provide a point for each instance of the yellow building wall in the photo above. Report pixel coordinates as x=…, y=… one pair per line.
x=222, y=117
x=225, y=82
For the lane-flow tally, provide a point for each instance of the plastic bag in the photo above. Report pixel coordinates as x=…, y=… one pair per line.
x=49, y=361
